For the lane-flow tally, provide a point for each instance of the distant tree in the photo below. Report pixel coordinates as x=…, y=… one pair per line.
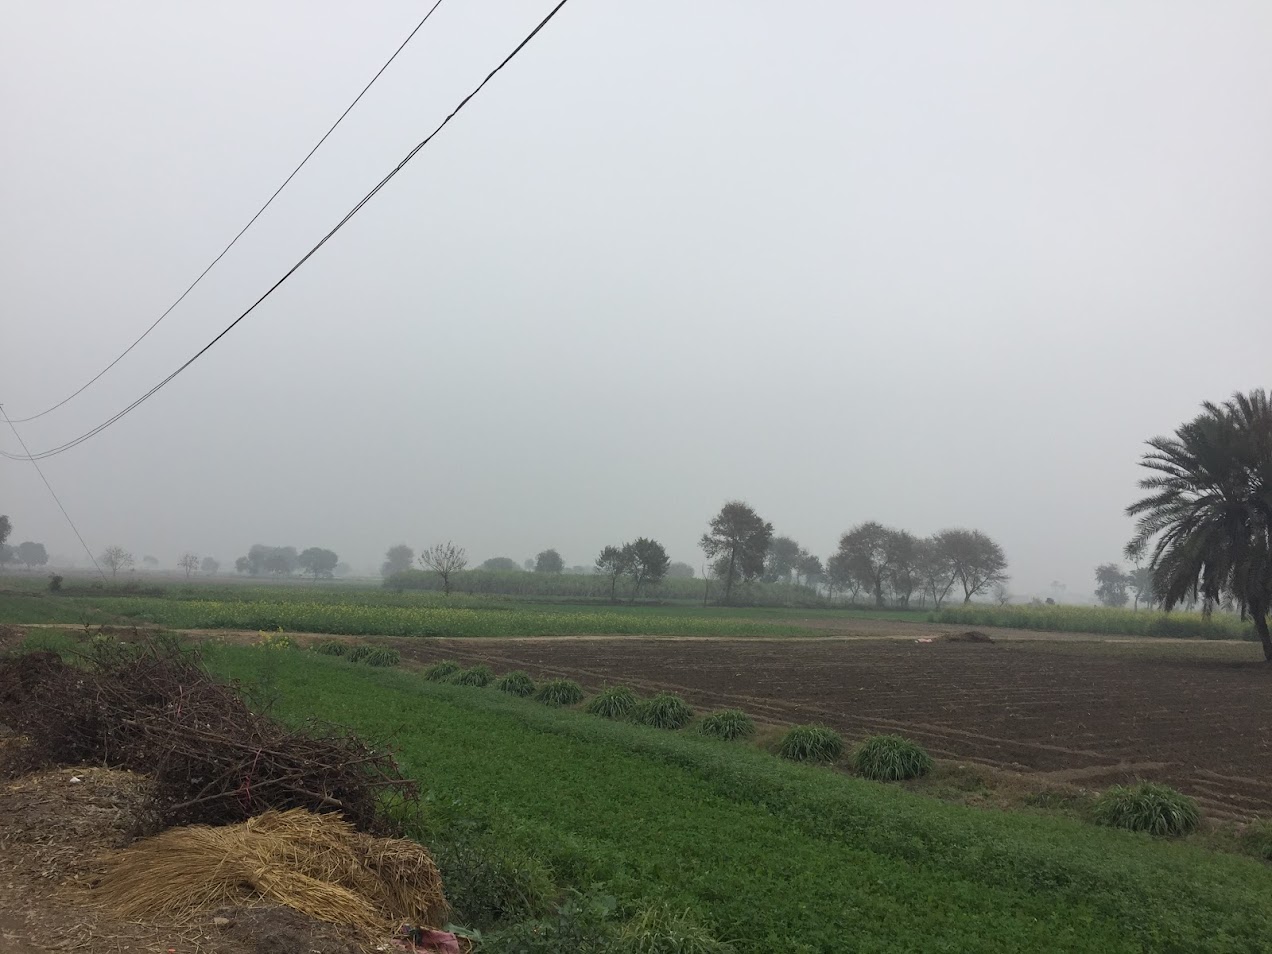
x=1140, y=580
x=32, y=554
x=188, y=562
x=210, y=565
x=1208, y=510
x=501, y=565
x=809, y=569
x=116, y=558
x=6, y=528
x=149, y=562
x=7, y=555
x=865, y=555
x=283, y=561
x=317, y=562
x=680, y=571
x=738, y=540
x=614, y=562
x=528, y=566
x=647, y=563
x=839, y=576
x=781, y=560
x=979, y=562
x=397, y=559
x=244, y=565
x=902, y=549
x=342, y=570
x=444, y=559
x=1110, y=585
x=549, y=561
x=1000, y=594
x=935, y=570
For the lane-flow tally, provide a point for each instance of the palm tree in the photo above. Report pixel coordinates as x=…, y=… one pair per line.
x=1209, y=507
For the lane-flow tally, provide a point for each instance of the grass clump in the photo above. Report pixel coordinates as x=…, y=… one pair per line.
x=560, y=692
x=890, y=758
x=1156, y=809
x=660, y=930
x=441, y=671
x=663, y=711
x=331, y=647
x=613, y=702
x=379, y=656
x=1256, y=839
x=477, y=676
x=811, y=743
x=728, y=724
x=515, y=683
x=359, y=653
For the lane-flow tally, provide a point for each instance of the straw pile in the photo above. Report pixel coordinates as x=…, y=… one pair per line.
x=318, y=865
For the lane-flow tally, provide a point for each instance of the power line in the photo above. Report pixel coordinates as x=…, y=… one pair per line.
x=250, y=222
x=62, y=448
x=40, y=471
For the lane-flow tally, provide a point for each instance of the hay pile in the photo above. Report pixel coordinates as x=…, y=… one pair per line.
x=318, y=865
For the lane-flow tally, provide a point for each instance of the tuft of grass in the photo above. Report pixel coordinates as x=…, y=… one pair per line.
x=661, y=930
x=811, y=743
x=331, y=647
x=613, y=702
x=728, y=724
x=890, y=758
x=379, y=656
x=477, y=676
x=560, y=692
x=1256, y=839
x=359, y=653
x=1156, y=809
x=515, y=683
x=441, y=671
x=663, y=711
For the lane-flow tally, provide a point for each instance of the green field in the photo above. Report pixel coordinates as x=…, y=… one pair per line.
x=777, y=856
x=1099, y=619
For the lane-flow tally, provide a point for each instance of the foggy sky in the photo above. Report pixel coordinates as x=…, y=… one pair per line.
x=932, y=264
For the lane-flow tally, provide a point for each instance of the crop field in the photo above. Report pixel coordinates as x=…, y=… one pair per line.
x=775, y=856
x=1099, y=619
x=1092, y=718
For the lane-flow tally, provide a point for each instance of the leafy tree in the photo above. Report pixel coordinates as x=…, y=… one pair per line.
x=32, y=554
x=680, y=571
x=646, y=563
x=501, y=565
x=444, y=559
x=244, y=565
x=6, y=528
x=614, y=562
x=809, y=568
x=1140, y=580
x=397, y=559
x=548, y=561
x=781, y=560
x=865, y=554
x=528, y=565
x=210, y=565
x=738, y=540
x=935, y=570
x=116, y=558
x=7, y=555
x=1110, y=585
x=188, y=562
x=979, y=562
x=316, y=561
x=280, y=561
x=839, y=577
x=901, y=548
x=1208, y=510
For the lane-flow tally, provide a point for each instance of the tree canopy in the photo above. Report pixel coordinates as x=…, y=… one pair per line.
x=316, y=561
x=549, y=561
x=32, y=554
x=397, y=559
x=501, y=565
x=737, y=540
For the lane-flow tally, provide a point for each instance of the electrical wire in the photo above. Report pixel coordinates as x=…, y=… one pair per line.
x=250, y=222
x=56, y=499
x=62, y=448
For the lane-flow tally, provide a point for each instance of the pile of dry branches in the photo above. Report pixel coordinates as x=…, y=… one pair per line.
x=152, y=708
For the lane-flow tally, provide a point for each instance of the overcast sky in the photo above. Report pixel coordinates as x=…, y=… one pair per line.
x=935, y=264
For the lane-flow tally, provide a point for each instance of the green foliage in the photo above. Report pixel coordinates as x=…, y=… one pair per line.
x=559, y=692
x=515, y=683
x=890, y=758
x=477, y=676
x=663, y=711
x=811, y=743
x=582, y=925
x=612, y=702
x=379, y=656
x=660, y=930
x=489, y=882
x=1156, y=809
x=1256, y=839
x=331, y=647
x=1098, y=619
x=359, y=653
x=441, y=671
x=728, y=724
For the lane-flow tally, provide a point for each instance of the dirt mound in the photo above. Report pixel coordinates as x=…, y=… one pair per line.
x=272, y=930
x=971, y=636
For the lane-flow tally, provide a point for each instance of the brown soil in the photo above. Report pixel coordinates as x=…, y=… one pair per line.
x=1197, y=724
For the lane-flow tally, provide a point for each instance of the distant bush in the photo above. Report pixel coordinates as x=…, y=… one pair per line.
x=660, y=930
x=55, y=583
x=441, y=671
x=890, y=758
x=663, y=711
x=811, y=743
x=515, y=683
x=560, y=692
x=612, y=702
x=331, y=647
x=477, y=676
x=728, y=724
x=1156, y=809
x=379, y=656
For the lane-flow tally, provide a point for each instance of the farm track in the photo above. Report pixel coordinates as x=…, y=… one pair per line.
x=1094, y=720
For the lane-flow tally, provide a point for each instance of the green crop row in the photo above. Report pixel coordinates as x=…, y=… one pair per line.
x=1099, y=619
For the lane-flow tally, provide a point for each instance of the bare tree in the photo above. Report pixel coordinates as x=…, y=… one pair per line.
x=116, y=558
x=1000, y=594
x=188, y=562
x=444, y=559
